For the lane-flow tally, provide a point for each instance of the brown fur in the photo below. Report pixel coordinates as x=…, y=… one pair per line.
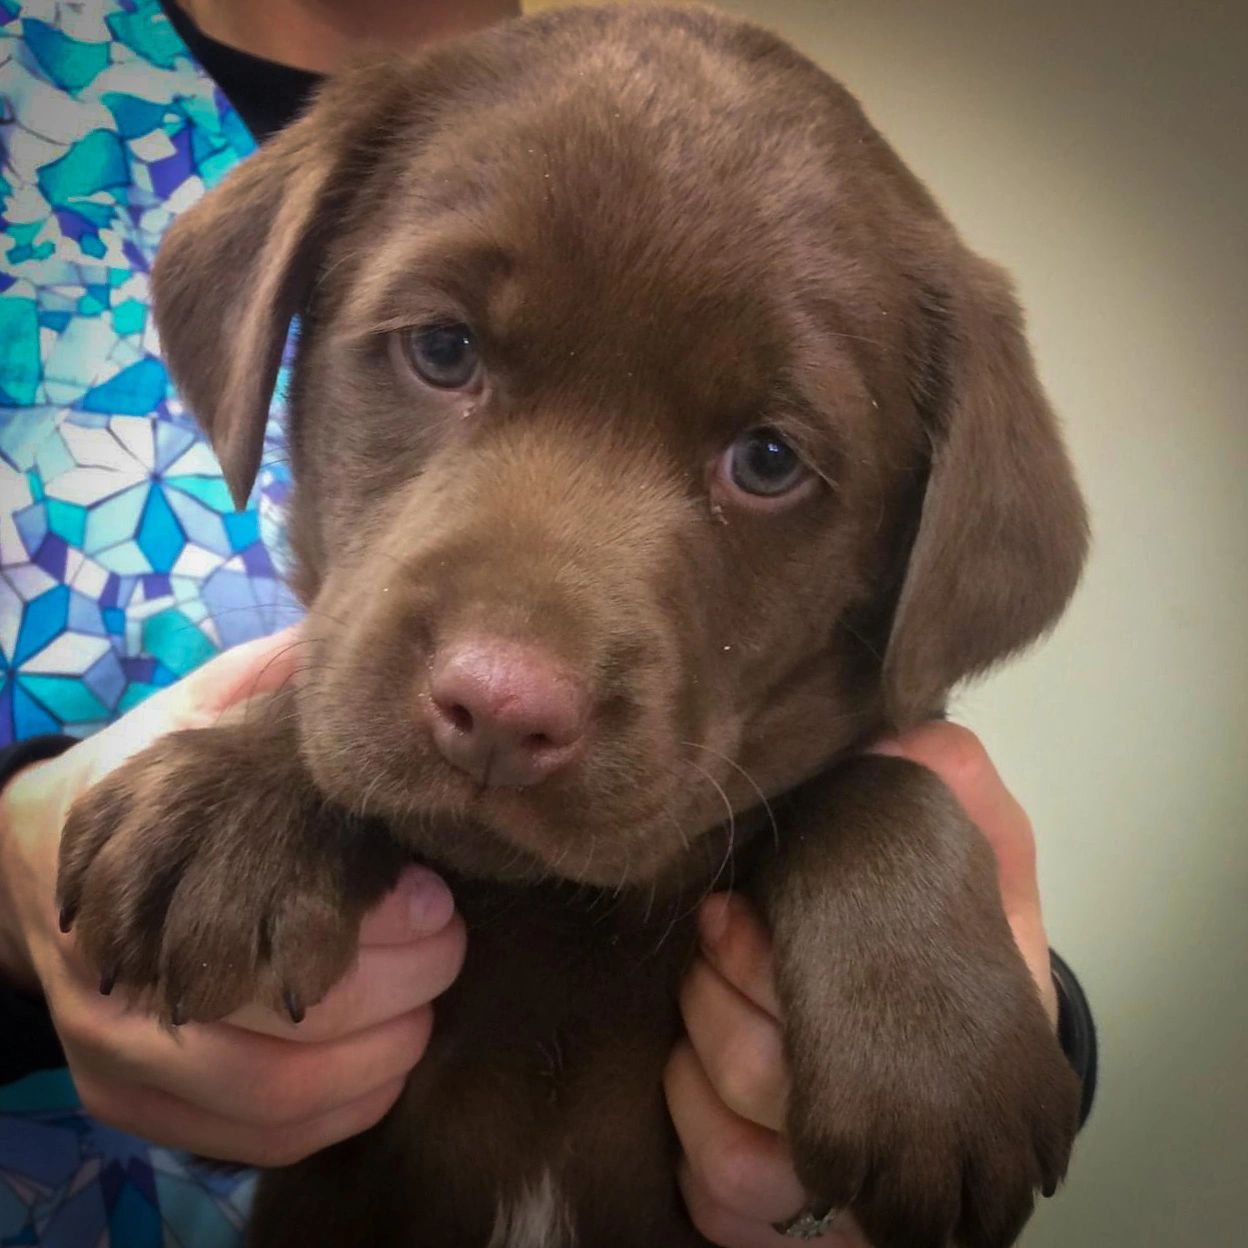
x=666, y=228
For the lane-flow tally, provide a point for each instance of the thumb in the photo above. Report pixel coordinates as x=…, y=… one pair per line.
x=255, y=667
x=196, y=701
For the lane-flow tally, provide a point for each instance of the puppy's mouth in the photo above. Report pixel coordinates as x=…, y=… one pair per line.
x=586, y=812
x=614, y=808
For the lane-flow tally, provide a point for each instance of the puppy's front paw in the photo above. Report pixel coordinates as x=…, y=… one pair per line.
x=206, y=872
x=938, y=1124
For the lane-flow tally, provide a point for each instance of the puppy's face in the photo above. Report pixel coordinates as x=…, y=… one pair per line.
x=610, y=425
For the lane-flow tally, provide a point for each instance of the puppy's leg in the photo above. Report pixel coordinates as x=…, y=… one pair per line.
x=929, y=1093
x=207, y=871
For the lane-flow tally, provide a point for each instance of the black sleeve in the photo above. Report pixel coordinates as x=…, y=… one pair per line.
x=28, y=1041
x=1076, y=1031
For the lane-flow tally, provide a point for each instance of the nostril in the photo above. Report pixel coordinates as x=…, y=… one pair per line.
x=459, y=716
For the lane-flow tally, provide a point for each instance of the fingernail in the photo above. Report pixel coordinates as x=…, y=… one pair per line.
x=429, y=901
x=889, y=746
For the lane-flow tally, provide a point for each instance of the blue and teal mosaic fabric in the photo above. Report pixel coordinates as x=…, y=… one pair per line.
x=122, y=562
x=69, y=1182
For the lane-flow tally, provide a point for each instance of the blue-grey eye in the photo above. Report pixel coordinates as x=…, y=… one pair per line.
x=445, y=355
x=763, y=463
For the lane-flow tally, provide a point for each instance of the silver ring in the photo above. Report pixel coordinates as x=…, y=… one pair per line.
x=813, y=1221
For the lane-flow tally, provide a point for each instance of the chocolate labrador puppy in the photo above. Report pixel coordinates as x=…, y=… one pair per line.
x=657, y=444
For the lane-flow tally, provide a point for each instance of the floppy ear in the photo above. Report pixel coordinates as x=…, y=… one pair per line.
x=235, y=268
x=1003, y=531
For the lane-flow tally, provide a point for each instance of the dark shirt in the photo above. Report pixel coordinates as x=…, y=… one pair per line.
x=266, y=95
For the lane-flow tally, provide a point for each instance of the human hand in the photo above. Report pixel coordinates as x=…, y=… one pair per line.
x=727, y=1083
x=254, y=1087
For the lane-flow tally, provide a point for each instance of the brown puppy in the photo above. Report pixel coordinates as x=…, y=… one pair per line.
x=656, y=444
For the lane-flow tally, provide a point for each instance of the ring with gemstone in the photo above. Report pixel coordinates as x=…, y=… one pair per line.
x=813, y=1221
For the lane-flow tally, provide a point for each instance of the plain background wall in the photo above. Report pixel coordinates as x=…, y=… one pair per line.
x=1100, y=151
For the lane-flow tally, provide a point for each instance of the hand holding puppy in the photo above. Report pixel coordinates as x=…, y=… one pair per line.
x=727, y=1085
x=252, y=1088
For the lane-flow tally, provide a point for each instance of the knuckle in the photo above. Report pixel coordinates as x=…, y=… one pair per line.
x=329, y=1019
x=963, y=757
x=729, y=1169
x=421, y=1023
x=711, y=1219
x=443, y=955
x=713, y=1223
x=283, y=1094
x=746, y=1073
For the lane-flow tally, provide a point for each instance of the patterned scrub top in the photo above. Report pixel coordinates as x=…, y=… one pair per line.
x=123, y=564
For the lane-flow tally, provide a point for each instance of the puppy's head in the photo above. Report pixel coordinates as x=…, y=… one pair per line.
x=655, y=438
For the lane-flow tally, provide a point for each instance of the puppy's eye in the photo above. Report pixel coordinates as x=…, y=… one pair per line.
x=762, y=463
x=444, y=355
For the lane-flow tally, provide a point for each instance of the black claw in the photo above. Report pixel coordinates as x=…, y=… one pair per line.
x=1049, y=1188
x=177, y=1015
x=294, y=1006
x=107, y=980
x=65, y=920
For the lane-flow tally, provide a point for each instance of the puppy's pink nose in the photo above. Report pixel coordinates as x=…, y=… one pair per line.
x=505, y=713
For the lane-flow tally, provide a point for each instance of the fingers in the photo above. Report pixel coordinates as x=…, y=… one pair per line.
x=175, y=1123
x=418, y=905
x=260, y=666
x=256, y=1086
x=412, y=946
x=727, y=1088
x=244, y=1076
x=388, y=980
x=738, y=1044
x=731, y=1230
x=737, y=1178
x=738, y=945
x=742, y=1167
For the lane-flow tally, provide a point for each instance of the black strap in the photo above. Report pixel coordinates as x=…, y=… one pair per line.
x=1076, y=1031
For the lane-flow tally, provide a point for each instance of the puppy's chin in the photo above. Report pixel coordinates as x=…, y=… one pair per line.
x=652, y=827
x=517, y=835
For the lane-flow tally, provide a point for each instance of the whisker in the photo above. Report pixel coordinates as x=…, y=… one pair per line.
x=726, y=862
x=749, y=779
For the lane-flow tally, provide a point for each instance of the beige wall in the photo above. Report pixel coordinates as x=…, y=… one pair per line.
x=1100, y=150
